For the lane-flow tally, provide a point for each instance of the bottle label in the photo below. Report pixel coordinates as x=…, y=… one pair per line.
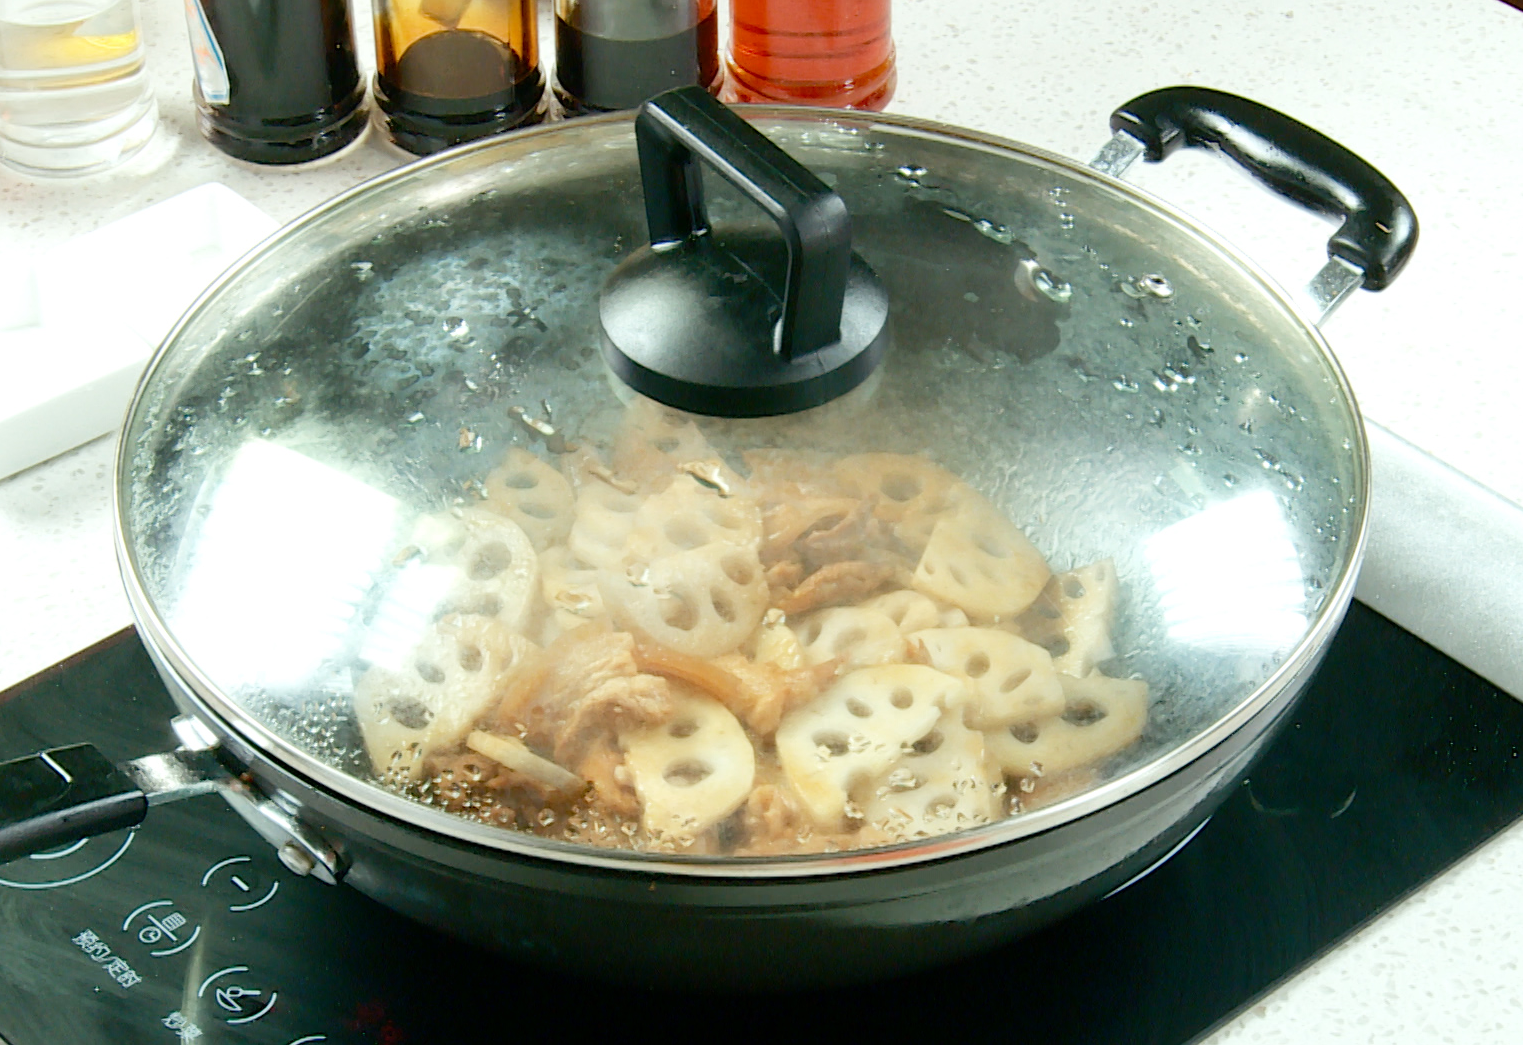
x=211, y=67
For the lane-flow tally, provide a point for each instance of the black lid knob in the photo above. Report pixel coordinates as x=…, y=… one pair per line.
x=754, y=325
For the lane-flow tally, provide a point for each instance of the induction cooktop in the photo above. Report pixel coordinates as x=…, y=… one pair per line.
x=1398, y=761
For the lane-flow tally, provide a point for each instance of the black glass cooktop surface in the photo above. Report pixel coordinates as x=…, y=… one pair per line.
x=1397, y=763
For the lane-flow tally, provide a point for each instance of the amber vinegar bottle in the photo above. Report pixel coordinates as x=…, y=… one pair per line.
x=449, y=71
x=811, y=52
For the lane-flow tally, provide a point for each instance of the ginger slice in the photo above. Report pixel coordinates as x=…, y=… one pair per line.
x=515, y=755
x=534, y=495
x=1100, y=717
x=855, y=637
x=775, y=643
x=692, y=771
x=945, y=782
x=858, y=730
x=429, y=702
x=1012, y=680
x=702, y=602
x=1072, y=617
x=570, y=588
x=979, y=561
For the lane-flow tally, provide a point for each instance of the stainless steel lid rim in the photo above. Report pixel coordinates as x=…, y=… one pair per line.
x=237, y=721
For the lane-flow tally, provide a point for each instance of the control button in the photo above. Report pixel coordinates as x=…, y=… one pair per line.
x=162, y=926
x=242, y=1004
x=237, y=874
x=66, y=866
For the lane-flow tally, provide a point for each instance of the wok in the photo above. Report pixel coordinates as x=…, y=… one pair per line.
x=1110, y=375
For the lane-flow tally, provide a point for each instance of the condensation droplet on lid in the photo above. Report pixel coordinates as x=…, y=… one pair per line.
x=998, y=233
x=1031, y=279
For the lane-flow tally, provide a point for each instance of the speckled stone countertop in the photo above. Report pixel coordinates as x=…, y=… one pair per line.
x=1424, y=89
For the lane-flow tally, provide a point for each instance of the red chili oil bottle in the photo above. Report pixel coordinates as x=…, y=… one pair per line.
x=838, y=53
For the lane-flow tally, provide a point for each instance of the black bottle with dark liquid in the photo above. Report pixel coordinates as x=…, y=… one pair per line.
x=449, y=71
x=614, y=54
x=276, y=82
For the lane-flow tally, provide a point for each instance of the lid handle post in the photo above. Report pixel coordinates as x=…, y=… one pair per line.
x=674, y=132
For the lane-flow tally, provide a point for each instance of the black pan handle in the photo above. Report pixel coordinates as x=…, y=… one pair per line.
x=1379, y=228
x=677, y=130
x=59, y=796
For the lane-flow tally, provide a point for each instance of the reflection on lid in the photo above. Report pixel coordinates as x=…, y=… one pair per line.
x=405, y=613
x=1229, y=578
x=274, y=578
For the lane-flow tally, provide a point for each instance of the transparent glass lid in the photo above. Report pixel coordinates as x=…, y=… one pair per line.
x=386, y=507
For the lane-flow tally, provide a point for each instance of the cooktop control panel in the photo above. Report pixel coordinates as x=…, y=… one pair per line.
x=188, y=929
x=183, y=930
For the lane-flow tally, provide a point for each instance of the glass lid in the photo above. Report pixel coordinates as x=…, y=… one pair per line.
x=386, y=509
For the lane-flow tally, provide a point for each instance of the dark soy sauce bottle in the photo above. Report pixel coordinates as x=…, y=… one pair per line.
x=614, y=54
x=449, y=71
x=276, y=82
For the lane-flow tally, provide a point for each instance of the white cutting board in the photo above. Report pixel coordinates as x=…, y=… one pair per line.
x=78, y=322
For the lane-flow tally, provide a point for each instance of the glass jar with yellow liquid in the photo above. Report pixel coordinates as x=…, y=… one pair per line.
x=73, y=95
x=449, y=71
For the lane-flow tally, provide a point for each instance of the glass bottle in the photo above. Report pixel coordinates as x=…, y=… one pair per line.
x=74, y=97
x=614, y=54
x=813, y=52
x=449, y=71
x=276, y=82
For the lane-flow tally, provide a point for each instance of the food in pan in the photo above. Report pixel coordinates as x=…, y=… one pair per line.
x=664, y=650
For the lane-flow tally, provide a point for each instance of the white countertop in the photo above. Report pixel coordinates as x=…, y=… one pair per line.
x=1427, y=90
